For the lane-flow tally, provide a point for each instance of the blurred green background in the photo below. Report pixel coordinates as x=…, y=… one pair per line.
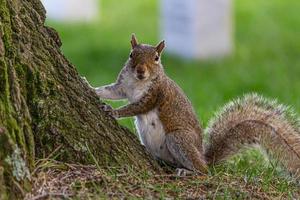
x=266, y=59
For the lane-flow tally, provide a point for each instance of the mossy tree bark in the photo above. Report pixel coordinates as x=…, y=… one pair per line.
x=45, y=105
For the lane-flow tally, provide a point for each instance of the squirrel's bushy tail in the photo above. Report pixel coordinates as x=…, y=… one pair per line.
x=255, y=120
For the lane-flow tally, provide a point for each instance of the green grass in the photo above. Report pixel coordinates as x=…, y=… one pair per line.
x=266, y=60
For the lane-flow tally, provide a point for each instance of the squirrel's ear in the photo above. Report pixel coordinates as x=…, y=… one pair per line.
x=133, y=41
x=160, y=47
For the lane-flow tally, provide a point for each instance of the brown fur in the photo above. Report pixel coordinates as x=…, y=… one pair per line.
x=255, y=120
x=170, y=130
x=182, y=131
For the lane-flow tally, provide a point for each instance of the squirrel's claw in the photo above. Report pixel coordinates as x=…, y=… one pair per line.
x=106, y=108
x=109, y=110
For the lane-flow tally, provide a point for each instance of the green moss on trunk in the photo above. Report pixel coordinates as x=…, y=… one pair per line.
x=45, y=106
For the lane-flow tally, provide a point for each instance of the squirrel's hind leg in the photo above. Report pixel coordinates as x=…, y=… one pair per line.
x=185, y=152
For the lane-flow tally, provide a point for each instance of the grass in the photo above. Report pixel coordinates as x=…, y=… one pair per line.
x=265, y=60
x=54, y=179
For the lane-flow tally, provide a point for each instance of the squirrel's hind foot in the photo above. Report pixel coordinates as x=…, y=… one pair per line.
x=181, y=172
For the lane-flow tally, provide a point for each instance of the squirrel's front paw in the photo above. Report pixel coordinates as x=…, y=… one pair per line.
x=99, y=90
x=109, y=110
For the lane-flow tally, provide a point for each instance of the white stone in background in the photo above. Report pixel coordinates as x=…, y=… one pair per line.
x=71, y=10
x=197, y=28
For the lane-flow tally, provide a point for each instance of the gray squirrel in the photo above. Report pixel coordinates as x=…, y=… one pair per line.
x=169, y=129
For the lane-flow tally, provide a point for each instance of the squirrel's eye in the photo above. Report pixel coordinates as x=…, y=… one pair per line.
x=130, y=55
x=156, y=58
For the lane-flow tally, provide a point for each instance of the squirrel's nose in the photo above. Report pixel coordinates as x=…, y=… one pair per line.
x=140, y=71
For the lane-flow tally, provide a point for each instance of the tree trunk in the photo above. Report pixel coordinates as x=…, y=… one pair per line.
x=45, y=106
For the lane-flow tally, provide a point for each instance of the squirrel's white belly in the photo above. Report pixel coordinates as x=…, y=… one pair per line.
x=152, y=135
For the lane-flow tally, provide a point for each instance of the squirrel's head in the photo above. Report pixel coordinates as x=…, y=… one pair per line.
x=144, y=60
